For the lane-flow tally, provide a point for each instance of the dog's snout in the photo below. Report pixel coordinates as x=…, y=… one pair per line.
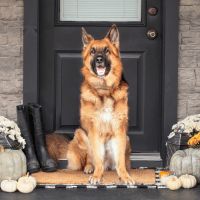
x=99, y=59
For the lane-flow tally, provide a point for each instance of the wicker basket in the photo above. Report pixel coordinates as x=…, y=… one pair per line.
x=178, y=142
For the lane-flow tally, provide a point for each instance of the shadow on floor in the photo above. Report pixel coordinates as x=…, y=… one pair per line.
x=104, y=194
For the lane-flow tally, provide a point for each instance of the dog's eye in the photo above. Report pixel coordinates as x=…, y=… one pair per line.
x=107, y=51
x=92, y=51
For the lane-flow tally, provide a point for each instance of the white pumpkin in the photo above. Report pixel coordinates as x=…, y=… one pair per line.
x=188, y=181
x=164, y=179
x=186, y=162
x=26, y=184
x=173, y=183
x=28, y=178
x=9, y=185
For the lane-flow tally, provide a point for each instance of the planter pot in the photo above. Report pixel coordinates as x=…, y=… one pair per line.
x=178, y=142
x=7, y=143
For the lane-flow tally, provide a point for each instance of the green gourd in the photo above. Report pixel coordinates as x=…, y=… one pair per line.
x=12, y=164
x=186, y=162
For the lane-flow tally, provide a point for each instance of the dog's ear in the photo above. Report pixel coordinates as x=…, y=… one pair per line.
x=86, y=38
x=113, y=35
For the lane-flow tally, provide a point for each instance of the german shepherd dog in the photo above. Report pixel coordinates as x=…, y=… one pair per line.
x=102, y=143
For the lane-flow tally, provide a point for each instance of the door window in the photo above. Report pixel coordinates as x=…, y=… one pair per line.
x=100, y=10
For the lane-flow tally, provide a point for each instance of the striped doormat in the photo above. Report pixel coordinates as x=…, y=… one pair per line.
x=144, y=177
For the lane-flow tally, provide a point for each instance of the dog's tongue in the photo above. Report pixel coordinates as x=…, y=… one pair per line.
x=101, y=71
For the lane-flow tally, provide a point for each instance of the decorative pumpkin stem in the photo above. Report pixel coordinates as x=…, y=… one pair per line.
x=2, y=149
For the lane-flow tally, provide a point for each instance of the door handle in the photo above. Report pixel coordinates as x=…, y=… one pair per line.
x=152, y=34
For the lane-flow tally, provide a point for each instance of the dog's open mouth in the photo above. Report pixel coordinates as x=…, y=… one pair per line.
x=101, y=70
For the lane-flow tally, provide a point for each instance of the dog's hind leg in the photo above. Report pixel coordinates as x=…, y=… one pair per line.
x=89, y=168
x=74, y=161
x=79, y=152
x=83, y=143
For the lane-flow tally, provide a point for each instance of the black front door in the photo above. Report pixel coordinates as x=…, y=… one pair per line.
x=141, y=51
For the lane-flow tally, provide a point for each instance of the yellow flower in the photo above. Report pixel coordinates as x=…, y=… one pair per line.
x=194, y=140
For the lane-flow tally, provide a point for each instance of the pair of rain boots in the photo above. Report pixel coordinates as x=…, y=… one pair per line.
x=29, y=120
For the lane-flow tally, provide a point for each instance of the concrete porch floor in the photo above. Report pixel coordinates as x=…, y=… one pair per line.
x=110, y=194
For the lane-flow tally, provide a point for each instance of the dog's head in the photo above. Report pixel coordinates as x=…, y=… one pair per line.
x=102, y=57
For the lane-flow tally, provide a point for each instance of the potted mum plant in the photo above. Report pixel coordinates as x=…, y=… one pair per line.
x=10, y=135
x=184, y=134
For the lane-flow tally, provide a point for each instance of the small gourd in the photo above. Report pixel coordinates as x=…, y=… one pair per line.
x=26, y=184
x=173, y=183
x=164, y=179
x=28, y=178
x=188, y=181
x=9, y=185
x=164, y=176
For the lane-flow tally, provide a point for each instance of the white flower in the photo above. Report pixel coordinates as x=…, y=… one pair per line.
x=171, y=135
x=11, y=129
x=12, y=137
x=188, y=125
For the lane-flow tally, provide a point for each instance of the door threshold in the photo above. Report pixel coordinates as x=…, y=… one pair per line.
x=146, y=160
x=150, y=160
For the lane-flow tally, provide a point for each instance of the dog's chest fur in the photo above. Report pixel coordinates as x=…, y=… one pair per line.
x=106, y=112
x=105, y=115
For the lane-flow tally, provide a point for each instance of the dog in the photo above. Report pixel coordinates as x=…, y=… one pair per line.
x=101, y=143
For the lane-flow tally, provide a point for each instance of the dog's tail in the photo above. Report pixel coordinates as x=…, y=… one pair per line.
x=57, y=146
x=75, y=150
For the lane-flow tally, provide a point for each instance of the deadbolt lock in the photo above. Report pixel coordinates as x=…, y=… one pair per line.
x=152, y=34
x=152, y=11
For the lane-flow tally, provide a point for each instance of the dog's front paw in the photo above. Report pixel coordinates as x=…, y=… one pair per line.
x=128, y=180
x=88, y=169
x=94, y=180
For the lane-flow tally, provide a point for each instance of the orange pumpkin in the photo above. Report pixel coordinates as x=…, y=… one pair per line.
x=165, y=173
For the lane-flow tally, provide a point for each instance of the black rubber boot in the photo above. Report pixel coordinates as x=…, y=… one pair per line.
x=25, y=127
x=46, y=162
